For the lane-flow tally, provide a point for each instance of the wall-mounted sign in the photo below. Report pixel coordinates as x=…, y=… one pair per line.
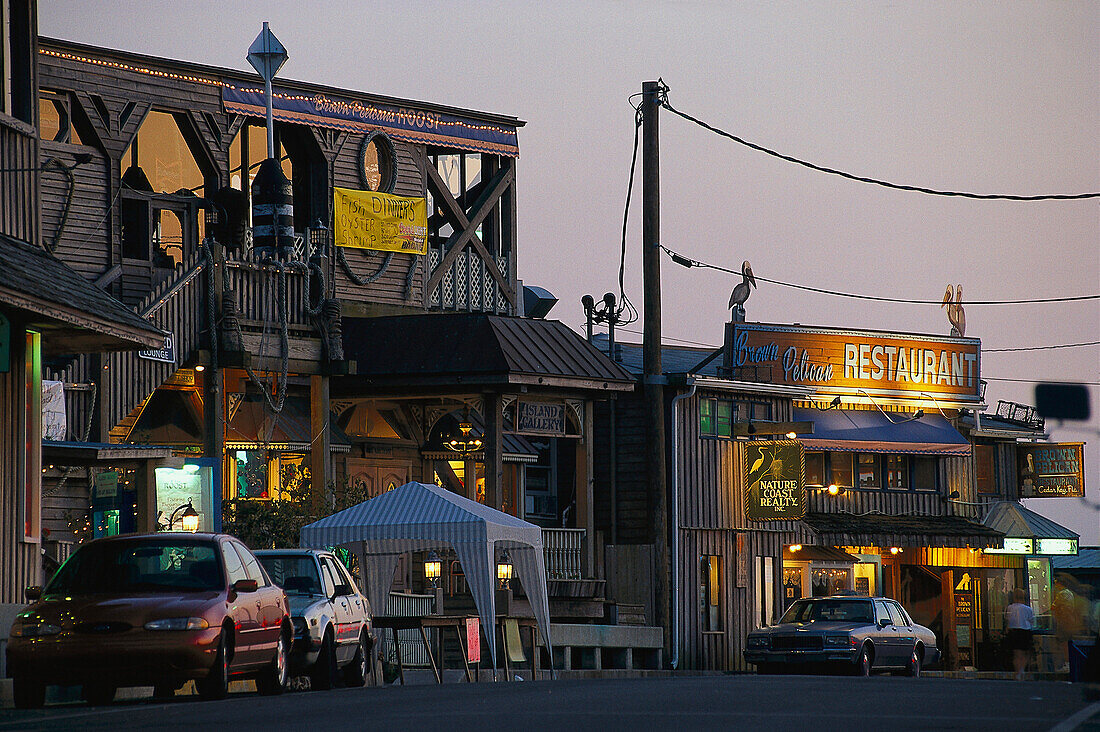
x=369, y=220
x=106, y=484
x=540, y=418
x=851, y=362
x=1056, y=546
x=775, y=480
x=166, y=353
x=1014, y=545
x=5, y=344
x=1054, y=470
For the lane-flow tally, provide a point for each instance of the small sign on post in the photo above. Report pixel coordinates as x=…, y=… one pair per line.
x=473, y=639
x=166, y=353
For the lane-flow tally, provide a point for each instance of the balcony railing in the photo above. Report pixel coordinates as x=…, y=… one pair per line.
x=562, y=551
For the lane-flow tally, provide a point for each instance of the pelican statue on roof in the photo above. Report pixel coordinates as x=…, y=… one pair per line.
x=741, y=290
x=953, y=301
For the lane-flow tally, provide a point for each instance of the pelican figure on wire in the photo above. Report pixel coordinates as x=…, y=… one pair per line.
x=742, y=290
x=953, y=301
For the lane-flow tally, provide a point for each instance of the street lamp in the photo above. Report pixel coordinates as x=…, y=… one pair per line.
x=189, y=519
x=504, y=570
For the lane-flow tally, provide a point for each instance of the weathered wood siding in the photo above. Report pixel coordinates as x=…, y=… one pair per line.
x=19, y=183
x=19, y=563
x=85, y=242
x=631, y=506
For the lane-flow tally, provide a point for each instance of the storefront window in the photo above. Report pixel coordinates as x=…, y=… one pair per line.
x=710, y=591
x=869, y=471
x=251, y=474
x=826, y=582
x=177, y=487
x=866, y=579
x=792, y=585
x=924, y=474
x=897, y=472
x=765, y=591
x=815, y=468
x=840, y=464
x=1040, y=590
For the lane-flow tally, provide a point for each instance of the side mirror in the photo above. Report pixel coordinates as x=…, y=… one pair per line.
x=341, y=590
x=245, y=585
x=32, y=593
x=884, y=623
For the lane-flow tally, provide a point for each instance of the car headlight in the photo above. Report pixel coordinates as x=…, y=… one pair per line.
x=758, y=641
x=178, y=624
x=836, y=640
x=301, y=630
x=33, y=630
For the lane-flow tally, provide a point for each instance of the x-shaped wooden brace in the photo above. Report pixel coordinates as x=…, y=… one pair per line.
x=465, y=229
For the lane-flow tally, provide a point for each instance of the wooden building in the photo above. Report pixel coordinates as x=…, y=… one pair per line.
x=307, y=370
x=889, y=495
x=46, y=308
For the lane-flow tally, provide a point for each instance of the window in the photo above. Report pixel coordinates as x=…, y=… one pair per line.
x=55, y=122
x=329, y=578
x=760, y=411
x=765, y=591
x=716, y=417
x=869, y=476
x=882, y=615
x=233, y=565
x=251, y=566
x=840, y=467
x=897, y=472
x=710, y=591
x=16, y=60
x=898, y=615
x=724, y=421
x=983, y=469
x=707, y=409
x=924, y=474
x=815, y=468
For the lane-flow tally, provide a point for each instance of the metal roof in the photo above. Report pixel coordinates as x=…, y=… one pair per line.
x=868, y=431
x=475, y=349
x=848, y=529
x=1013, y=520
x=67, y=308
x=1087, y=558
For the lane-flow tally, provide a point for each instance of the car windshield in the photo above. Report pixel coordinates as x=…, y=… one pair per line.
x=295, y=573
x=848, y=611
x=148, y=565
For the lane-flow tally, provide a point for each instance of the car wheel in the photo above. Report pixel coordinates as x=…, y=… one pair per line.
x=865, y=662
x=355, y=673
x=29, y=691
x=98, y=693
x=216, y=683
x=273, y=680
x=912, y=669
x=323, y=675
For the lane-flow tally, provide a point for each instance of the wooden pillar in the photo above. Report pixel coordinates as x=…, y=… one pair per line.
x=213, y=380
x=585, y=512
x=319, y=453
x=145, y=495
x=494, y=449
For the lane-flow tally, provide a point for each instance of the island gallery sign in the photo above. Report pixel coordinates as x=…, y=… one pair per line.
x=775, y=480
x=1054, y=470
x=852, y=362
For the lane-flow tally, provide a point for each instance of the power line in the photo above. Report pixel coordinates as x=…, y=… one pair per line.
x=684, y=261
x=863, y=179
x=1041, y=348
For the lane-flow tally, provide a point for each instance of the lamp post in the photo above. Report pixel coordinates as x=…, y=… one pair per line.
x=433, y=568
x=504, y=589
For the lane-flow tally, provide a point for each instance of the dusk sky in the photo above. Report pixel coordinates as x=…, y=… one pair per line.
x=985, y=97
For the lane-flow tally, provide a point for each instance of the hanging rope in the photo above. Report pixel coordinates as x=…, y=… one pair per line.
x=356, y=278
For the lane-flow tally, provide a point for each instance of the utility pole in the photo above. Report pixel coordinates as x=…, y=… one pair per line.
x=653, y=374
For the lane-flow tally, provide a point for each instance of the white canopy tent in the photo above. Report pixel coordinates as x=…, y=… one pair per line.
x=421, y=516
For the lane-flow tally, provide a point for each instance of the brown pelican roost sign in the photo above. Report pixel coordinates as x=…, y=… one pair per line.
x=857, y=362
x=775, y=480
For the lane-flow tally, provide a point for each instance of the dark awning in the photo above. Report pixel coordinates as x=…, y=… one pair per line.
x=847, y=529
x=1012, y=519
x=98, y=453
x=811, y=553
x=474, y=350
x=253, y=426
x=872, y=431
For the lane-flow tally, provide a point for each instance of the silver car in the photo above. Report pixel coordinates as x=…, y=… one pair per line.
x=856, y=634
x=331, y=617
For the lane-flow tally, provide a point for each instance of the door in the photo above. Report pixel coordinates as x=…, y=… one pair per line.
x=270, y=599
x=244, y=609
x=346, y=624
x=886, y=637
x=906, y=639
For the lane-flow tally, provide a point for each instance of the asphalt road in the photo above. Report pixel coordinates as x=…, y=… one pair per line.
x=803, y=703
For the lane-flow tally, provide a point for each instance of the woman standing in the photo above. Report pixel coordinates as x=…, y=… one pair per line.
x=1019, y=620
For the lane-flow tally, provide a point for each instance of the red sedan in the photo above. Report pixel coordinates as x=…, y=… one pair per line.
x=158, y=609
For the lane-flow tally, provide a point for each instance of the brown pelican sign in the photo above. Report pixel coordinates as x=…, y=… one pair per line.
x=775, y=480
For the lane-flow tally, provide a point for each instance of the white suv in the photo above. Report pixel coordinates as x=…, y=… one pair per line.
x=331, y=617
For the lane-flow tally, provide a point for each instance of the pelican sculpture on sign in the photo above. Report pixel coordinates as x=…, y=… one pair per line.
x=953, y=301
x=741, y=290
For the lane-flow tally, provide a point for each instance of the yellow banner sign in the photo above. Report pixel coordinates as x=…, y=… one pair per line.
x=369, y=220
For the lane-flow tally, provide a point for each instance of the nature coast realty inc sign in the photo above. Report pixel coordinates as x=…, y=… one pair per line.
x=775, y=480
x=854, y=362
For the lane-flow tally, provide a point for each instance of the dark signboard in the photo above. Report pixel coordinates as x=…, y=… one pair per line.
x=540, y=418
x=775, y=480
x=166, y=353
x=1052, y=470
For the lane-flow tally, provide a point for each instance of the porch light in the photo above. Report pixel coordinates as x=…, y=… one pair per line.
x=464, y=443
x=895, y=550
x=791, y=435
x=833, y=489
x=796, y=548
x=432, y=568
x=504, y=570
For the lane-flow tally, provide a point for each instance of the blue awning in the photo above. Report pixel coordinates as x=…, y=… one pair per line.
x=842, y=430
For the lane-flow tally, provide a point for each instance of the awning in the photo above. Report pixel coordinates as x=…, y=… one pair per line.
x=847, y=529
x=811, y=553
x=1012, y=519
x=99, y=453
x=252, y=426
x=872, y=431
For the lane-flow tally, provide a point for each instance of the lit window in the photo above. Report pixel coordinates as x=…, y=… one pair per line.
x=707, y=409
x=897, y=472
x=815, y=468
x=869, y=471
x=710, y=591
x=724, y=421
